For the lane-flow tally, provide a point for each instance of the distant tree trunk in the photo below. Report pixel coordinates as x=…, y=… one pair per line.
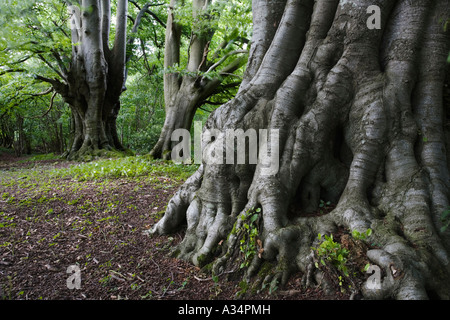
x=358, y=102
x=19, y=139
x=184, y=93
x=95, y=81
x=6, y=133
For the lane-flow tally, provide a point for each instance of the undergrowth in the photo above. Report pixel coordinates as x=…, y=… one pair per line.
x=134, y=166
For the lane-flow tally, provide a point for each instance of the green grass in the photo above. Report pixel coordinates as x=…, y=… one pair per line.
x=134, y=166
x=37, y=185
x=41, y=157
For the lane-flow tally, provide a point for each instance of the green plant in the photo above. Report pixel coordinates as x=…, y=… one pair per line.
x=324, y=206
x=135, y=286
x=361, y=235
x=216, y=286
x=148, y=295
x=331, y=252
x=249, y=230
x=105, y=280
x=445, y=218
x=127, y=167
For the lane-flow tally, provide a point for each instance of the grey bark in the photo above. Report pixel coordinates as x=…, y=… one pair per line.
x=362, y=123
x=96, y=78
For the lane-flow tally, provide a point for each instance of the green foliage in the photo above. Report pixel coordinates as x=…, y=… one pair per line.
x=331, y=252
x=34, y=32
x=141, y=116
x=324, y=206
x=249, y=230
x=229, y=18
x=35, y=40
x=361, y=235
x=230, y=23
x=445, y=218
x=126, y=167
x=43, y=157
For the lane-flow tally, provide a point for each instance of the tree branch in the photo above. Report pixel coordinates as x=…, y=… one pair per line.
x=51, y=66
x=144, y=10
x=211, y=85
x=59, y=87
x=225, y=57
x=75, y=23
x=156, y=18
x=106, y=23
x=171, y=53
x=61, y=65
x=200, y=38
x=12, y=71
x=44, y=93
x=121, y=33
x=226, y=43
x=48, y=110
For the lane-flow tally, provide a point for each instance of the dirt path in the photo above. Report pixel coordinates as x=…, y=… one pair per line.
x=48, y=224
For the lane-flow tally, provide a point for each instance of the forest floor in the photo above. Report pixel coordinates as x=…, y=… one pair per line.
x=55, y=214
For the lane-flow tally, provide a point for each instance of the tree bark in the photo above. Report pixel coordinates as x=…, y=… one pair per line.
x=362, y=123
x=96, y=78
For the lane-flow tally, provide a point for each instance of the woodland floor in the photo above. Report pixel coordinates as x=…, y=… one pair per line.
x=49, y=222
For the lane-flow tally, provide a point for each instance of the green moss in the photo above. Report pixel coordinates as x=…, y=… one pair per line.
x=88, y=155
x=233, y=230
x=203, y=260
x=265, y=270
x=208, y=267
x=175, y=252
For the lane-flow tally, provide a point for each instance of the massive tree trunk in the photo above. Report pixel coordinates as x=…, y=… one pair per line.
x=186, y=91
x=95, y=81
x=361, y=120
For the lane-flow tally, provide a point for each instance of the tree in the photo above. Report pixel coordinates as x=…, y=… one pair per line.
x=29, y=32
x=357, y=98
x=86, y=65
x=31, y=115
x=97, y=75
x=205, y=75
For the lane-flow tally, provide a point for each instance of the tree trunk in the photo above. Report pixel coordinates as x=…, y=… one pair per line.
x=180, y=112
x=96, y=77
x=358, y=105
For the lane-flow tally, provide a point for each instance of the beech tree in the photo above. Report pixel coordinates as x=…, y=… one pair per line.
x=96, y=77
x=86, y=65
x=356, y=90
x=208, y=66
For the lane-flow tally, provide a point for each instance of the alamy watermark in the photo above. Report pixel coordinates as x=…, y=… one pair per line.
x=374, y=21
x=374, y=280
x=230, y=146
x=74, y=281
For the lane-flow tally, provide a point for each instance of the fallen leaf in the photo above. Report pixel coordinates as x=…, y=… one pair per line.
x=50, y=268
